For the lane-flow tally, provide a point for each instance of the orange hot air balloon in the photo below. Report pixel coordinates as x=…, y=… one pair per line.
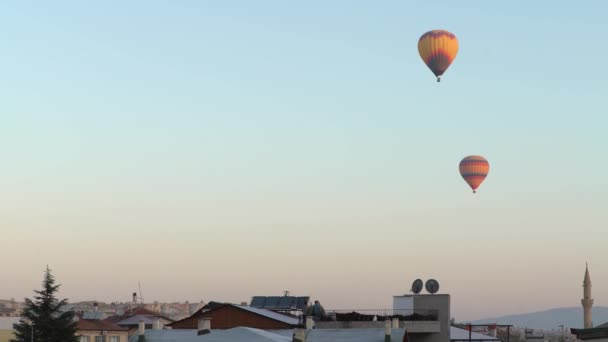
x=474, y=170
x=438, y=48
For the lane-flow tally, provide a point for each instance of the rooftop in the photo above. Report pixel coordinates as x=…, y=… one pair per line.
x=94, y=324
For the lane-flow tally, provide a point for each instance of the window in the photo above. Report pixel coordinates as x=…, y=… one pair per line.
x=114, y=338
x=84, y=339
x=100, y=339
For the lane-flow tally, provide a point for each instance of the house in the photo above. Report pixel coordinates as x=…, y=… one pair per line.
x=227, y=316
x=130, y=319
x=93, y=330
x=597, y=334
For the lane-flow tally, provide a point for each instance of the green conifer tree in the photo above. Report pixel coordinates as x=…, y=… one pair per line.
x=44, y=318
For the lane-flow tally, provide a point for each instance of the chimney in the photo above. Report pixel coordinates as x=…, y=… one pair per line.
x=395, y=322
x=204, y=325
x=142, y=328
x=299, y=335
x=309, y=323
x=387, y=330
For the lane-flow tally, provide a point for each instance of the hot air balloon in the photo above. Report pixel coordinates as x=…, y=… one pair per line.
x=438, y=48
x=474, y=170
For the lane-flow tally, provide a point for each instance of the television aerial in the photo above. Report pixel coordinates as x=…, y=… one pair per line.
x=417, y=286
x=432, y=286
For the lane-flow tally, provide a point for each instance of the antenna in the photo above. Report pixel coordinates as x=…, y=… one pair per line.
x=417, y=286
x=141, y=298
x=432, y=286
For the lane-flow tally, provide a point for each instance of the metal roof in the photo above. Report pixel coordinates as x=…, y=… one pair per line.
x=134, y=320
x=230, y=335
x=270, y=314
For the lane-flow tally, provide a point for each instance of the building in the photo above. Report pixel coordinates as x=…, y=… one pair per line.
x=92, y=330
x=7, y=332
x=228, y=316
x=242, y=334
x=131, y=319
x=597, y=334
x=9, y=308
x=534, y=336
x=587, y=300
x=229, y=335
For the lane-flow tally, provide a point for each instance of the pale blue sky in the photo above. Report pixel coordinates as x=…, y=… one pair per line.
x=303, y=146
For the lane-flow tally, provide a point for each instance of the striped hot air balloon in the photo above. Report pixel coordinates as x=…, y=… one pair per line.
x=438, y=48
x=474, y=170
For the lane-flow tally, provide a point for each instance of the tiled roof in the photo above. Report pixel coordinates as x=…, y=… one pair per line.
x=136, y=312
x=93, y=324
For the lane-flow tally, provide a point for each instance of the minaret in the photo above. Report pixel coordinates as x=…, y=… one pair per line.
x=587, y=301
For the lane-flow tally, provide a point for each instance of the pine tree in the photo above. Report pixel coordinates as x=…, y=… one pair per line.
x=43, y=316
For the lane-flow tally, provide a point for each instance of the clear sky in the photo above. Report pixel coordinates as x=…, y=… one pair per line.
x=216, y=150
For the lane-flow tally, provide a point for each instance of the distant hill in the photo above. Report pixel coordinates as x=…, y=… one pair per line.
x=550, y=319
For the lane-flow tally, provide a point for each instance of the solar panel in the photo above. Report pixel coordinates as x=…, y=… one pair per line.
x=279, y=302
x=93, y=315
x=272, y=302
x=258, y=302
x=286, y=302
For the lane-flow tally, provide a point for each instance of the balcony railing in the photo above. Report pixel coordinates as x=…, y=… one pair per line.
x=378, y=315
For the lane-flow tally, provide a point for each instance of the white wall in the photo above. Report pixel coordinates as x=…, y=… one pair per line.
x=403, y=303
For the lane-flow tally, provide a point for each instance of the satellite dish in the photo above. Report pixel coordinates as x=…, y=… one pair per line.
x=417, y=286
x=432, y=286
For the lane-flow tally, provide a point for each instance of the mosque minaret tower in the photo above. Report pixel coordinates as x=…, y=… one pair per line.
x=587, y=301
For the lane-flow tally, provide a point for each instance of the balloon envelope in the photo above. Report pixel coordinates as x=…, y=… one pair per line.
x=438, y=48
x=474, y=170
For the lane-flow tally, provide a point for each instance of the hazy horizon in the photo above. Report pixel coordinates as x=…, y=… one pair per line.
x=221, y=151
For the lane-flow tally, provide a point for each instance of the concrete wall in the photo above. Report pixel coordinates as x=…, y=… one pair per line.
x=440, y=303
x=403, y=303
x=349, y=325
